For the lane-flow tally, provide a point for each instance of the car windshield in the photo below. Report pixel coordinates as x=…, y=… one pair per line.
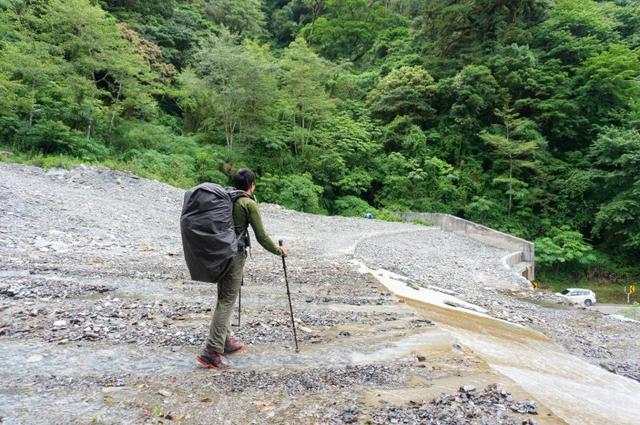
x=565, y=292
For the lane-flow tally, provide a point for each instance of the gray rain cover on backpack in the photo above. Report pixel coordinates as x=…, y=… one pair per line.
x=209, y=239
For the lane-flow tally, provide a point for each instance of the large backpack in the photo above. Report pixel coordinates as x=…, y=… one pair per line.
x=209, y=239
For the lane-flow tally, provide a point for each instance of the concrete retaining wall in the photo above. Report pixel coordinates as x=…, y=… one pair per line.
x=522, y=250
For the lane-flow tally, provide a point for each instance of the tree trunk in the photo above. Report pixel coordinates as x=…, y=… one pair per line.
x=33, y=101
x=506, y=125
x=113, y=114
x=227, y=138
x=510, y=183
x=231, y=136
x=303, y=141
x=295, y=140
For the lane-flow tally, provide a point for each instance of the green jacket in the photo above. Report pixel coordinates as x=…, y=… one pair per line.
x=245, y=212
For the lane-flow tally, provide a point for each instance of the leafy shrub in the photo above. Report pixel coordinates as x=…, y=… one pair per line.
x=388, y=215
x=206, y=162
x=563, y=246
x=55, y=138
x=142, y=135
x=352, y=206
x=9, y=126
x=296, y=191
x=485, y=210
x=47, y=137
x=89, y=149
x=176, y=170
x=50, y=161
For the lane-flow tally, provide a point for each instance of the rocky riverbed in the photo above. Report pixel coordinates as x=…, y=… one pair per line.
x=100, y=322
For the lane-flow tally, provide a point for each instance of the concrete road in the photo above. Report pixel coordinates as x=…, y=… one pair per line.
x=611, y=308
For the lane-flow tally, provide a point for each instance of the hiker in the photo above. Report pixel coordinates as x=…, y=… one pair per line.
x=245, y=212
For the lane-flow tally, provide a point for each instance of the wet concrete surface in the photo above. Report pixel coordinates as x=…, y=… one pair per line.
x=611, y=308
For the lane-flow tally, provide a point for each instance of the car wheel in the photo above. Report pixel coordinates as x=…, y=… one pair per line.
x=588, y=302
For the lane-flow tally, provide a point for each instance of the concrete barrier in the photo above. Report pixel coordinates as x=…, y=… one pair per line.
x=521, y=259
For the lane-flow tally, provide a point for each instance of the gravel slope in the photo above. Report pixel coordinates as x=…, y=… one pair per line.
x=100, y=322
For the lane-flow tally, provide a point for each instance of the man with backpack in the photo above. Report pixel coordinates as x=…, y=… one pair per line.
x=215, y=250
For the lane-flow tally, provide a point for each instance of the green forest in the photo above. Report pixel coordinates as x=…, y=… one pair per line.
x=523, y=115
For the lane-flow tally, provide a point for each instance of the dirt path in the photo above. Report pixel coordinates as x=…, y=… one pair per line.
x=100, y=324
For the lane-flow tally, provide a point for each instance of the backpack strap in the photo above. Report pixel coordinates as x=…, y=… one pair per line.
x=243, y=239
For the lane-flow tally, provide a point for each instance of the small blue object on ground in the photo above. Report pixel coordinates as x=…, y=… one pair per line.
x=368, y=215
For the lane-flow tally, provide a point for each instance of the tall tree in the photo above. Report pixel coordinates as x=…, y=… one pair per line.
x=98, y=51
x=513, y=147
x=233, y=87
x=73, y=71
x=616, y=182
x=575, y=30
x=608, y=84
x=461, y=29
x=347, y=28
x=242, y=17
x=469, y=100
x=408, y=91
x=306, y=101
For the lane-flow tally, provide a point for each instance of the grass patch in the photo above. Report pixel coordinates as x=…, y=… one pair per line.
x=422, y=221
x=42, y=161
x=176, y=170
x=633, y=312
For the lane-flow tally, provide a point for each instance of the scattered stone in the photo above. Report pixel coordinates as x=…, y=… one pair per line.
x=457, y=347
x=57, y=172
x=306, y=329
x=528, y=407
x=468, y=406
x=165, y=393
x=467, y=388
x=60, y=324
x=349, y=416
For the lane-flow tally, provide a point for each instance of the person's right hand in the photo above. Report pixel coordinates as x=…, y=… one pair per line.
x=285, y=251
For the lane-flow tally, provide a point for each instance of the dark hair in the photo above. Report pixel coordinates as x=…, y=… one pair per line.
x=243, y=179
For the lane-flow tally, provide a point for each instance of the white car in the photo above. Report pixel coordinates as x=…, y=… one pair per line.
x=579, y=296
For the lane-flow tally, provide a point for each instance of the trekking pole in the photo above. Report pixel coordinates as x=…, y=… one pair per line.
x=286, y=281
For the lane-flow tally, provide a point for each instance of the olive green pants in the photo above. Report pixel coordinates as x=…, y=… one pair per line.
x=228, y=288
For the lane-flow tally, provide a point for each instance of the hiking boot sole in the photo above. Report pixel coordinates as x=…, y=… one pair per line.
x=204, y=363
x=208, y=365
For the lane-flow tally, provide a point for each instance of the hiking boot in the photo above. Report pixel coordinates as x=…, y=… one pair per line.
x=232, y=345
x=212, y=359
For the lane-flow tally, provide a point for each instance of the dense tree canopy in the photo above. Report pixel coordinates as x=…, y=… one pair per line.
x=523, y=115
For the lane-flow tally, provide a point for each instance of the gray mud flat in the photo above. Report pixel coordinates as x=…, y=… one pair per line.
x=100, y=322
